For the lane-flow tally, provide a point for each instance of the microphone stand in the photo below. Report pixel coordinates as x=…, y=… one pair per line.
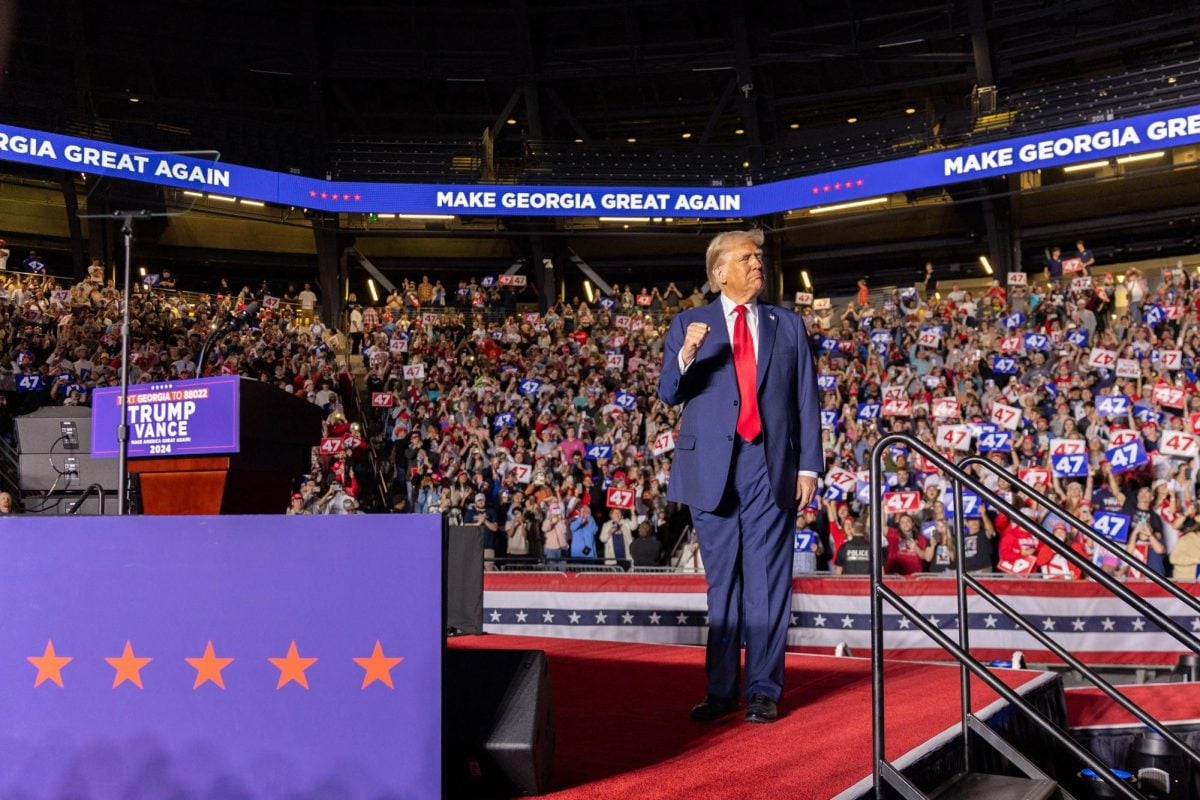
x=127, y=218
x=223, y=329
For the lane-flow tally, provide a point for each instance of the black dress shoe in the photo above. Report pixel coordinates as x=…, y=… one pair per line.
x=761, y=709
x=713, y=707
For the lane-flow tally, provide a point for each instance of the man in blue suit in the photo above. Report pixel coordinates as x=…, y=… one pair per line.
x=747, y=455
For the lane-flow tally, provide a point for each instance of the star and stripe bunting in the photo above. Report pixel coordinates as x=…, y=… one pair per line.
x=671, y=609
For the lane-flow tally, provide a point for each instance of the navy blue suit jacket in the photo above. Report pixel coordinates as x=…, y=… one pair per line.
x=788, y=404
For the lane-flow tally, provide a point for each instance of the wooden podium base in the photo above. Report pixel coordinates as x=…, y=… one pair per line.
x=210, y=485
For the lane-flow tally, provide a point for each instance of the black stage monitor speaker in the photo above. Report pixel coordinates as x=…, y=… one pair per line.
x=499, y=723
x=464, y=580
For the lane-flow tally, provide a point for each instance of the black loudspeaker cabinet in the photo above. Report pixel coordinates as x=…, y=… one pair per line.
x=498, y=723
x=464, y=580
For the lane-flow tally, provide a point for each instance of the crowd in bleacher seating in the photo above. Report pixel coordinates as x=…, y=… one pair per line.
x=512, y=410
x=519, y=421
x=63, y=341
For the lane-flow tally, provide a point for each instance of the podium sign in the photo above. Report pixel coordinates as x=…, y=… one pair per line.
x=196, y=417
x=273, y=657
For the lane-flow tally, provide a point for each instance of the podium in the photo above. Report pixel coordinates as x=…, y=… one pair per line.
x=276, y=432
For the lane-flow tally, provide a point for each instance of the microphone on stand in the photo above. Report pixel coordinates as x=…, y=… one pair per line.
x=248, y=314
x=232, y=323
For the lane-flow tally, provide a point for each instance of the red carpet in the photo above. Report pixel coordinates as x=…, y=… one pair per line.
x=621, y=712
x=1169, y=702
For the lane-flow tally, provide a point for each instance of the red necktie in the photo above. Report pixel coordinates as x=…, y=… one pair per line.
x=749, y=426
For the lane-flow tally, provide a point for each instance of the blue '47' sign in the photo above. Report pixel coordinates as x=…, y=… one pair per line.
x=1004, y=365
x=597, y=451
x=996, y=440
x=1072, y=465
x=1112, y=526
x=1127, y=456
x=30, y=383
x=1112, y=405
x=971, y=505
x=868, y=411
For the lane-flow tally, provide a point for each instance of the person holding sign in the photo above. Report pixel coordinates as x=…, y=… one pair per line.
x=747, y=455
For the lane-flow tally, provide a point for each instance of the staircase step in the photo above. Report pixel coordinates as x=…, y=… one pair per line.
x=982, y=786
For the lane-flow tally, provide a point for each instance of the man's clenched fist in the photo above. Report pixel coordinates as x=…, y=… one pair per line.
x=693, y=339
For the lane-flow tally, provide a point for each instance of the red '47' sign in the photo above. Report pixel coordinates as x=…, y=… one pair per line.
x=620, y=498
x=901, y=502
x=331, y=445
x=1168, y=395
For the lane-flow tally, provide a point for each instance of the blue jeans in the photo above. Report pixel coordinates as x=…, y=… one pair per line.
x=554, y=554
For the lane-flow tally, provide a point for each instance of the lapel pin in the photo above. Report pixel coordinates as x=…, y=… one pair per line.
x=771, y=317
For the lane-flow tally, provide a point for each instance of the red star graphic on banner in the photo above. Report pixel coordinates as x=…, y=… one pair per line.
x=49, y=665
x=292, y=667
x=324, y=195
x=378, y=667
x=208, y=667
x=312, y=192
x=358, y=196
x=128, y=667
x=859, y=182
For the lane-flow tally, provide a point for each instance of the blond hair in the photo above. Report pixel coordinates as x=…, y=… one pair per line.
x=721, y=244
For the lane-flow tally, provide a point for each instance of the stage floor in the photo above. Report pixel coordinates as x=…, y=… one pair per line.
x=623, y=730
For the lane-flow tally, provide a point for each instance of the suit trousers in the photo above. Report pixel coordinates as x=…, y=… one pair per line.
x=747, y=545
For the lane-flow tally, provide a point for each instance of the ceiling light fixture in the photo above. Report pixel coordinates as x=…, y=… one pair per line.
x=1087, y=166
x=872, y=201
x=1141, y=157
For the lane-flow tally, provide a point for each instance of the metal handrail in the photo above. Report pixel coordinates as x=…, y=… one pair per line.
x=884, y=772
x=84, y=496
x=1168, y=586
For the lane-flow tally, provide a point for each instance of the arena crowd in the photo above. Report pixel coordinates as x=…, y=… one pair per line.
x=545, y=428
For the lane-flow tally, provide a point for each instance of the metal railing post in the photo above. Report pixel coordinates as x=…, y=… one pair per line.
x=963, y=639
x=959, y=477
x=876, y=567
